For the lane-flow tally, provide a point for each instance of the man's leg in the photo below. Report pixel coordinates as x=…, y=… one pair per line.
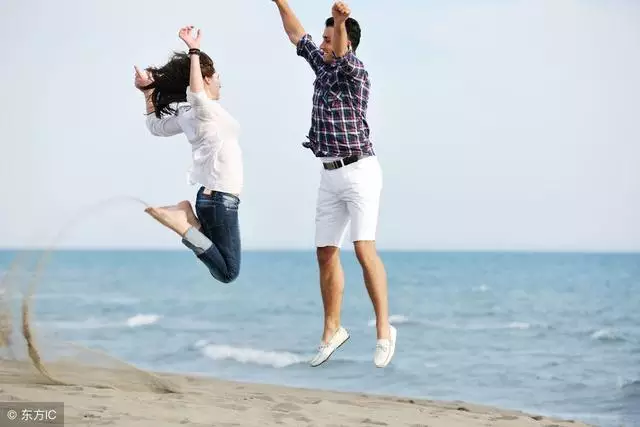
x=375, y=279
x=331, y=288
x=331, y=224
x=363, y=202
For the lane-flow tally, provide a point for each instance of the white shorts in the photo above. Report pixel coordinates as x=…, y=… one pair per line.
x=348, y=195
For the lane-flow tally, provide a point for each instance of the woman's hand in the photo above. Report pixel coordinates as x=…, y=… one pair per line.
x=142, y=79
x=186, y=35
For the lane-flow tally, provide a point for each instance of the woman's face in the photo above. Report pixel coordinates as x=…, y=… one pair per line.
x=213, y=85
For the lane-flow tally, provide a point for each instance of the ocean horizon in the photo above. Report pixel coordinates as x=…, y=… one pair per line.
x=549, y=332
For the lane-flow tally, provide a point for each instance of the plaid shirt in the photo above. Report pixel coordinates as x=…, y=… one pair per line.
x=339, y=126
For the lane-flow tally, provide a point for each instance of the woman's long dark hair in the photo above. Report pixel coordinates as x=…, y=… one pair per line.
x=170, y=81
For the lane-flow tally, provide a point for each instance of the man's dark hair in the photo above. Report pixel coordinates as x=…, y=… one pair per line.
x=353, y=31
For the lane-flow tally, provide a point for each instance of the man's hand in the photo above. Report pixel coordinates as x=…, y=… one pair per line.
x=340, y=12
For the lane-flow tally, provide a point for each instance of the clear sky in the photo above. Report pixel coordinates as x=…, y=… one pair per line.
x=499, y=124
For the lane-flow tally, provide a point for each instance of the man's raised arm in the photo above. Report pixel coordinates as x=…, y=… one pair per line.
x=340, y=43
x=292, y=25
x=346, y=60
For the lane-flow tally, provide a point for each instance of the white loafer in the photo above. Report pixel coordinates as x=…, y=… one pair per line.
x=385, y=349
x=326, y=350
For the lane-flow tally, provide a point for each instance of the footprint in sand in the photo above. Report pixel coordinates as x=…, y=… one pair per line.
x=347, y=402
x=288, y=410
x=369, y=421
x=233, y=407
x=286, y=407
x=279, y=416
x=504, y=418
x=262, y=397
x=90, y=415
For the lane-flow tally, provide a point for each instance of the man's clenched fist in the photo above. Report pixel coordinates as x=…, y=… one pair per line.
x=340, y=12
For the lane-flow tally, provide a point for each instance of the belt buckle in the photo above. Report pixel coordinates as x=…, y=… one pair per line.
x=332, y=165
x=336, y=164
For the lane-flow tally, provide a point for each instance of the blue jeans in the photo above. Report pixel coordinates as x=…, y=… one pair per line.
x=217, y=243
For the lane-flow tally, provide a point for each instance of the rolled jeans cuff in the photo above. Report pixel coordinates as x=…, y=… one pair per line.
x=196, y=241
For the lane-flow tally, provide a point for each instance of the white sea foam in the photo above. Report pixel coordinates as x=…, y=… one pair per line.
x=276, y=359
x=142, y=320
x=606, y=335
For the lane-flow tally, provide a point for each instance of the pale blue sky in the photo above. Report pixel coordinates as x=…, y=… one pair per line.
x=499, y=124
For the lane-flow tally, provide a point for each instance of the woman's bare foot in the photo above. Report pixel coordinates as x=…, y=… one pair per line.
x=178, y=218
x=191, y=216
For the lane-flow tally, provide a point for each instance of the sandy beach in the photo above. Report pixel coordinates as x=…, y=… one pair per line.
x=127, y=397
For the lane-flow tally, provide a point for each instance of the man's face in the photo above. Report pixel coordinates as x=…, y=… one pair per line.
x=326, y=46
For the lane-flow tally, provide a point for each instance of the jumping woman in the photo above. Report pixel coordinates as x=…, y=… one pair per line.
x=183, y=97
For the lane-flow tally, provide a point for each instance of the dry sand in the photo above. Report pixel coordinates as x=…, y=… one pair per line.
x=122, y=397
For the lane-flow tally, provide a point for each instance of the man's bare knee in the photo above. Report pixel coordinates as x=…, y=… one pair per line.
x=327, y=255
x=366, y=252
